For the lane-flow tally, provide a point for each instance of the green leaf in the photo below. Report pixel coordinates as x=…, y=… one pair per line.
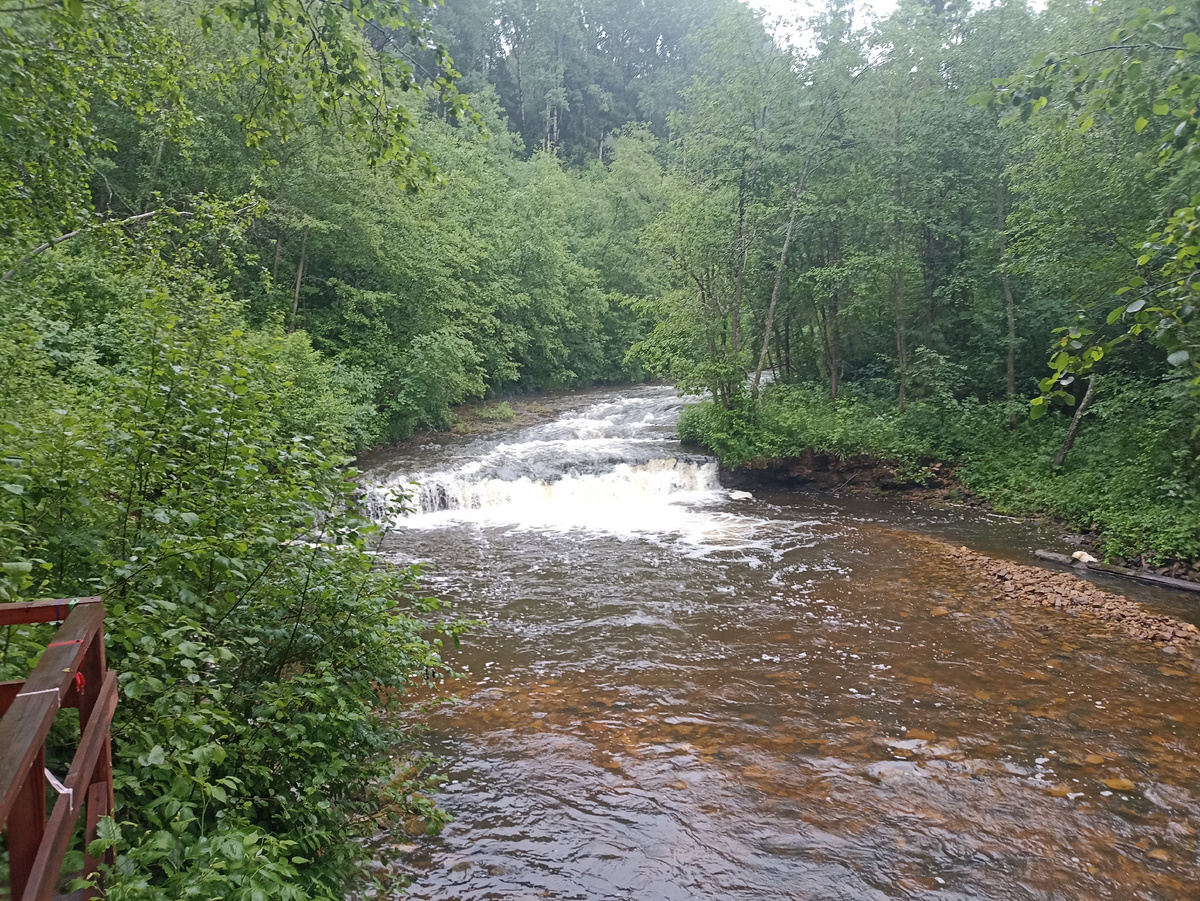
x=1161, y=109
x=1179, y=358
x=156, y=757
x=1141, y=123
x=1135, y=307
x=74, y=8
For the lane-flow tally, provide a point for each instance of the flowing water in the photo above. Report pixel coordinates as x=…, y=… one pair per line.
x=684, y=692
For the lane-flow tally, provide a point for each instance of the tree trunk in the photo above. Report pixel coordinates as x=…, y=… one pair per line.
x=787, y=346
x=735, y=315
x=929, y=308
x=833, y=348
x=153, y=173
x=299, y=279
x=278, y=253
x=787, y=242
x=520, y=92
x=901, y=338
x=1073, y=430
x=797, y=192
x=821, y=329
x=779, y=367
x=1009, y=305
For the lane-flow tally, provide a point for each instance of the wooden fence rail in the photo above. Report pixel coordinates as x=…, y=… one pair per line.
x=71, y=673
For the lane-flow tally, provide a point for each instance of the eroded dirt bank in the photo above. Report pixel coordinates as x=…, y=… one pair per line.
x=857, y=473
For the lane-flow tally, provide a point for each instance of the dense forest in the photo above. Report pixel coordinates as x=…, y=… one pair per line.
x=241, y=240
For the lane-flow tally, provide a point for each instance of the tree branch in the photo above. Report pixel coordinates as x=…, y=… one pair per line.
x=54, y=242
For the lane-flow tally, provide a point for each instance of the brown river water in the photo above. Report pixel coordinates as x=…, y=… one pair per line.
x=682, y=692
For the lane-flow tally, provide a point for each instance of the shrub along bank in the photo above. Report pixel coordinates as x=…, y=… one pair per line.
x=1132, y=477
x=185, y=466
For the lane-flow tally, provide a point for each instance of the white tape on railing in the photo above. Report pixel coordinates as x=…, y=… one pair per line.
x=60, y=788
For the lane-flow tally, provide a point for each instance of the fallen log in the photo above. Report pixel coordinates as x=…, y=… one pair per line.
x=1123, y=572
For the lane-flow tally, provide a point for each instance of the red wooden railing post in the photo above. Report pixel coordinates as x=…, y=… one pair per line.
x=71, y=673
x=27, y=825
x=99, y=792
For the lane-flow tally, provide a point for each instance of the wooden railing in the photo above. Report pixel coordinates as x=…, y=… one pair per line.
x=70, y=673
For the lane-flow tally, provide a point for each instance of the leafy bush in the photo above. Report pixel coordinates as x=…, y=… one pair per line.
x=260, y=645
x=502, y=412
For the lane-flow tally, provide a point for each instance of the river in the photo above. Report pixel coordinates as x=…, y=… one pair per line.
x=683, y=692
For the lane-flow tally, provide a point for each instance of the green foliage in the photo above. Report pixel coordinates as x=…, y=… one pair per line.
x=441, y=370
x=1145, y=74
x=190, y=341
x=934, y=253
x=315, y=56
x=416, y=302
x=502, y=412
x=193, y=479
x=61, y=61
x=226, y=259
x=57, y=62
x=571, y=75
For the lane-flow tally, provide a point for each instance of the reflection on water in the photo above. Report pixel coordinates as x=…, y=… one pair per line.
x=684, y=695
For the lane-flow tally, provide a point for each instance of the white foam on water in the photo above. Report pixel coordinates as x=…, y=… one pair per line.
x=612, y=469
x=649, y=498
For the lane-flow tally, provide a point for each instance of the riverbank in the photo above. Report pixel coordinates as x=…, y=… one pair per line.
x=1034, y=586
x=1130, y=489
x=939, y=487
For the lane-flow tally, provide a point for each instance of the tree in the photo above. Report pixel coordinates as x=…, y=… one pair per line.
x=58, y=62
x=1146, y=73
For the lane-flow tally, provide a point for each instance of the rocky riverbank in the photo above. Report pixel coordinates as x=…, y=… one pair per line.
x=1034, y=586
